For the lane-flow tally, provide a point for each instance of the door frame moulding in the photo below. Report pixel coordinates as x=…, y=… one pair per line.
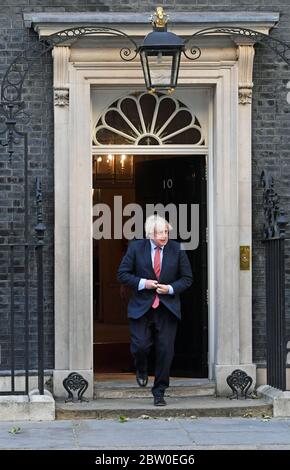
x=190, y=151
x=73, y=275
x=145, y=150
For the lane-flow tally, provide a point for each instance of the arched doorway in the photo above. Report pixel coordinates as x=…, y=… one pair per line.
x=161, y=126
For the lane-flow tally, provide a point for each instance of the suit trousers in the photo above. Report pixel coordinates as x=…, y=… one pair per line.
x=157, y=326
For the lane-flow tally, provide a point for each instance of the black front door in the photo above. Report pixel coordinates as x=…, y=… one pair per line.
x=181, y=180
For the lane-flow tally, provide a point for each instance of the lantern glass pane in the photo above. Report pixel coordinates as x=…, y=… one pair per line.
x=160, y=66
x=146, y=72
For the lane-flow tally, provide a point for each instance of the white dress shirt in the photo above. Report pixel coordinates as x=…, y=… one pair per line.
x=142, y=281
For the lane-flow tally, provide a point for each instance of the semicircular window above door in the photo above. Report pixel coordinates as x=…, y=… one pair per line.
x=147, y=119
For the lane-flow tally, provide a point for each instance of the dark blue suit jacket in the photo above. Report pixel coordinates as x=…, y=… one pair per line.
x=137, y=264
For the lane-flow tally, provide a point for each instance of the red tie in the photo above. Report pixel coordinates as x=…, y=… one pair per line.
x=157, y=273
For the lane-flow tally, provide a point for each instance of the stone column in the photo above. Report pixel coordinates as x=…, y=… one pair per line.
x=246, y=54
x=234, y=341
x=80, y=237
x=74, y=325
x=226, y=290
x=61, y=208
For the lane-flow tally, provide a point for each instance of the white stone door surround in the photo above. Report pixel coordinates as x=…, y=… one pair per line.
x=227, y=69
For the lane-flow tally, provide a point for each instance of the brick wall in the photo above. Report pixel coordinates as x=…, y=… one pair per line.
x=271, y=139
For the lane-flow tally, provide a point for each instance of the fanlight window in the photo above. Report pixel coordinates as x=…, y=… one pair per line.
x=148, y=119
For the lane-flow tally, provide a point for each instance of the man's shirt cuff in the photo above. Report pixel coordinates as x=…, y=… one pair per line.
x=141, y=284
x=170, y=291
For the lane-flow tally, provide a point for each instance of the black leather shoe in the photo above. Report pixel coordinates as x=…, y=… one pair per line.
x=159, y=401
x=142, y=378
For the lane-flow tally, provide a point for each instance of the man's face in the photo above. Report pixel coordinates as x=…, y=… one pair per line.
x=160, y=237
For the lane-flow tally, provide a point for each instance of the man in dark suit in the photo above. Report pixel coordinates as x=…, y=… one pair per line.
x=158, y=271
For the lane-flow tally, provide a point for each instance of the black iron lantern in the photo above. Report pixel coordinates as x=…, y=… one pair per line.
x=160, y=55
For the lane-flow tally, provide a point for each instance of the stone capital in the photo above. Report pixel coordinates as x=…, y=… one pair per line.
x=60, y=75
x=61, y=96
x=246, y=55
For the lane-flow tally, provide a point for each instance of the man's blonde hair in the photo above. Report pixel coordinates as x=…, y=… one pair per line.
x=155, y=222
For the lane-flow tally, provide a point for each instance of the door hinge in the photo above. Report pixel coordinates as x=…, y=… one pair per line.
x=206, y=234
x=207, y=296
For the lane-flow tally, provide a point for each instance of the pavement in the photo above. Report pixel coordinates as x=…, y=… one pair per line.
x=144, y=433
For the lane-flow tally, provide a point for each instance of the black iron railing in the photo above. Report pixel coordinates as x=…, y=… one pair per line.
x=274, y=240
x=22, y=280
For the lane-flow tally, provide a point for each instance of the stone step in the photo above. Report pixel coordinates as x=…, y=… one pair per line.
x=127, y=389
x=176, y=407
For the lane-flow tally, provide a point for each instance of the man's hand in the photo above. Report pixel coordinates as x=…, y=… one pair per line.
x=151, y=284
x=162, y=289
